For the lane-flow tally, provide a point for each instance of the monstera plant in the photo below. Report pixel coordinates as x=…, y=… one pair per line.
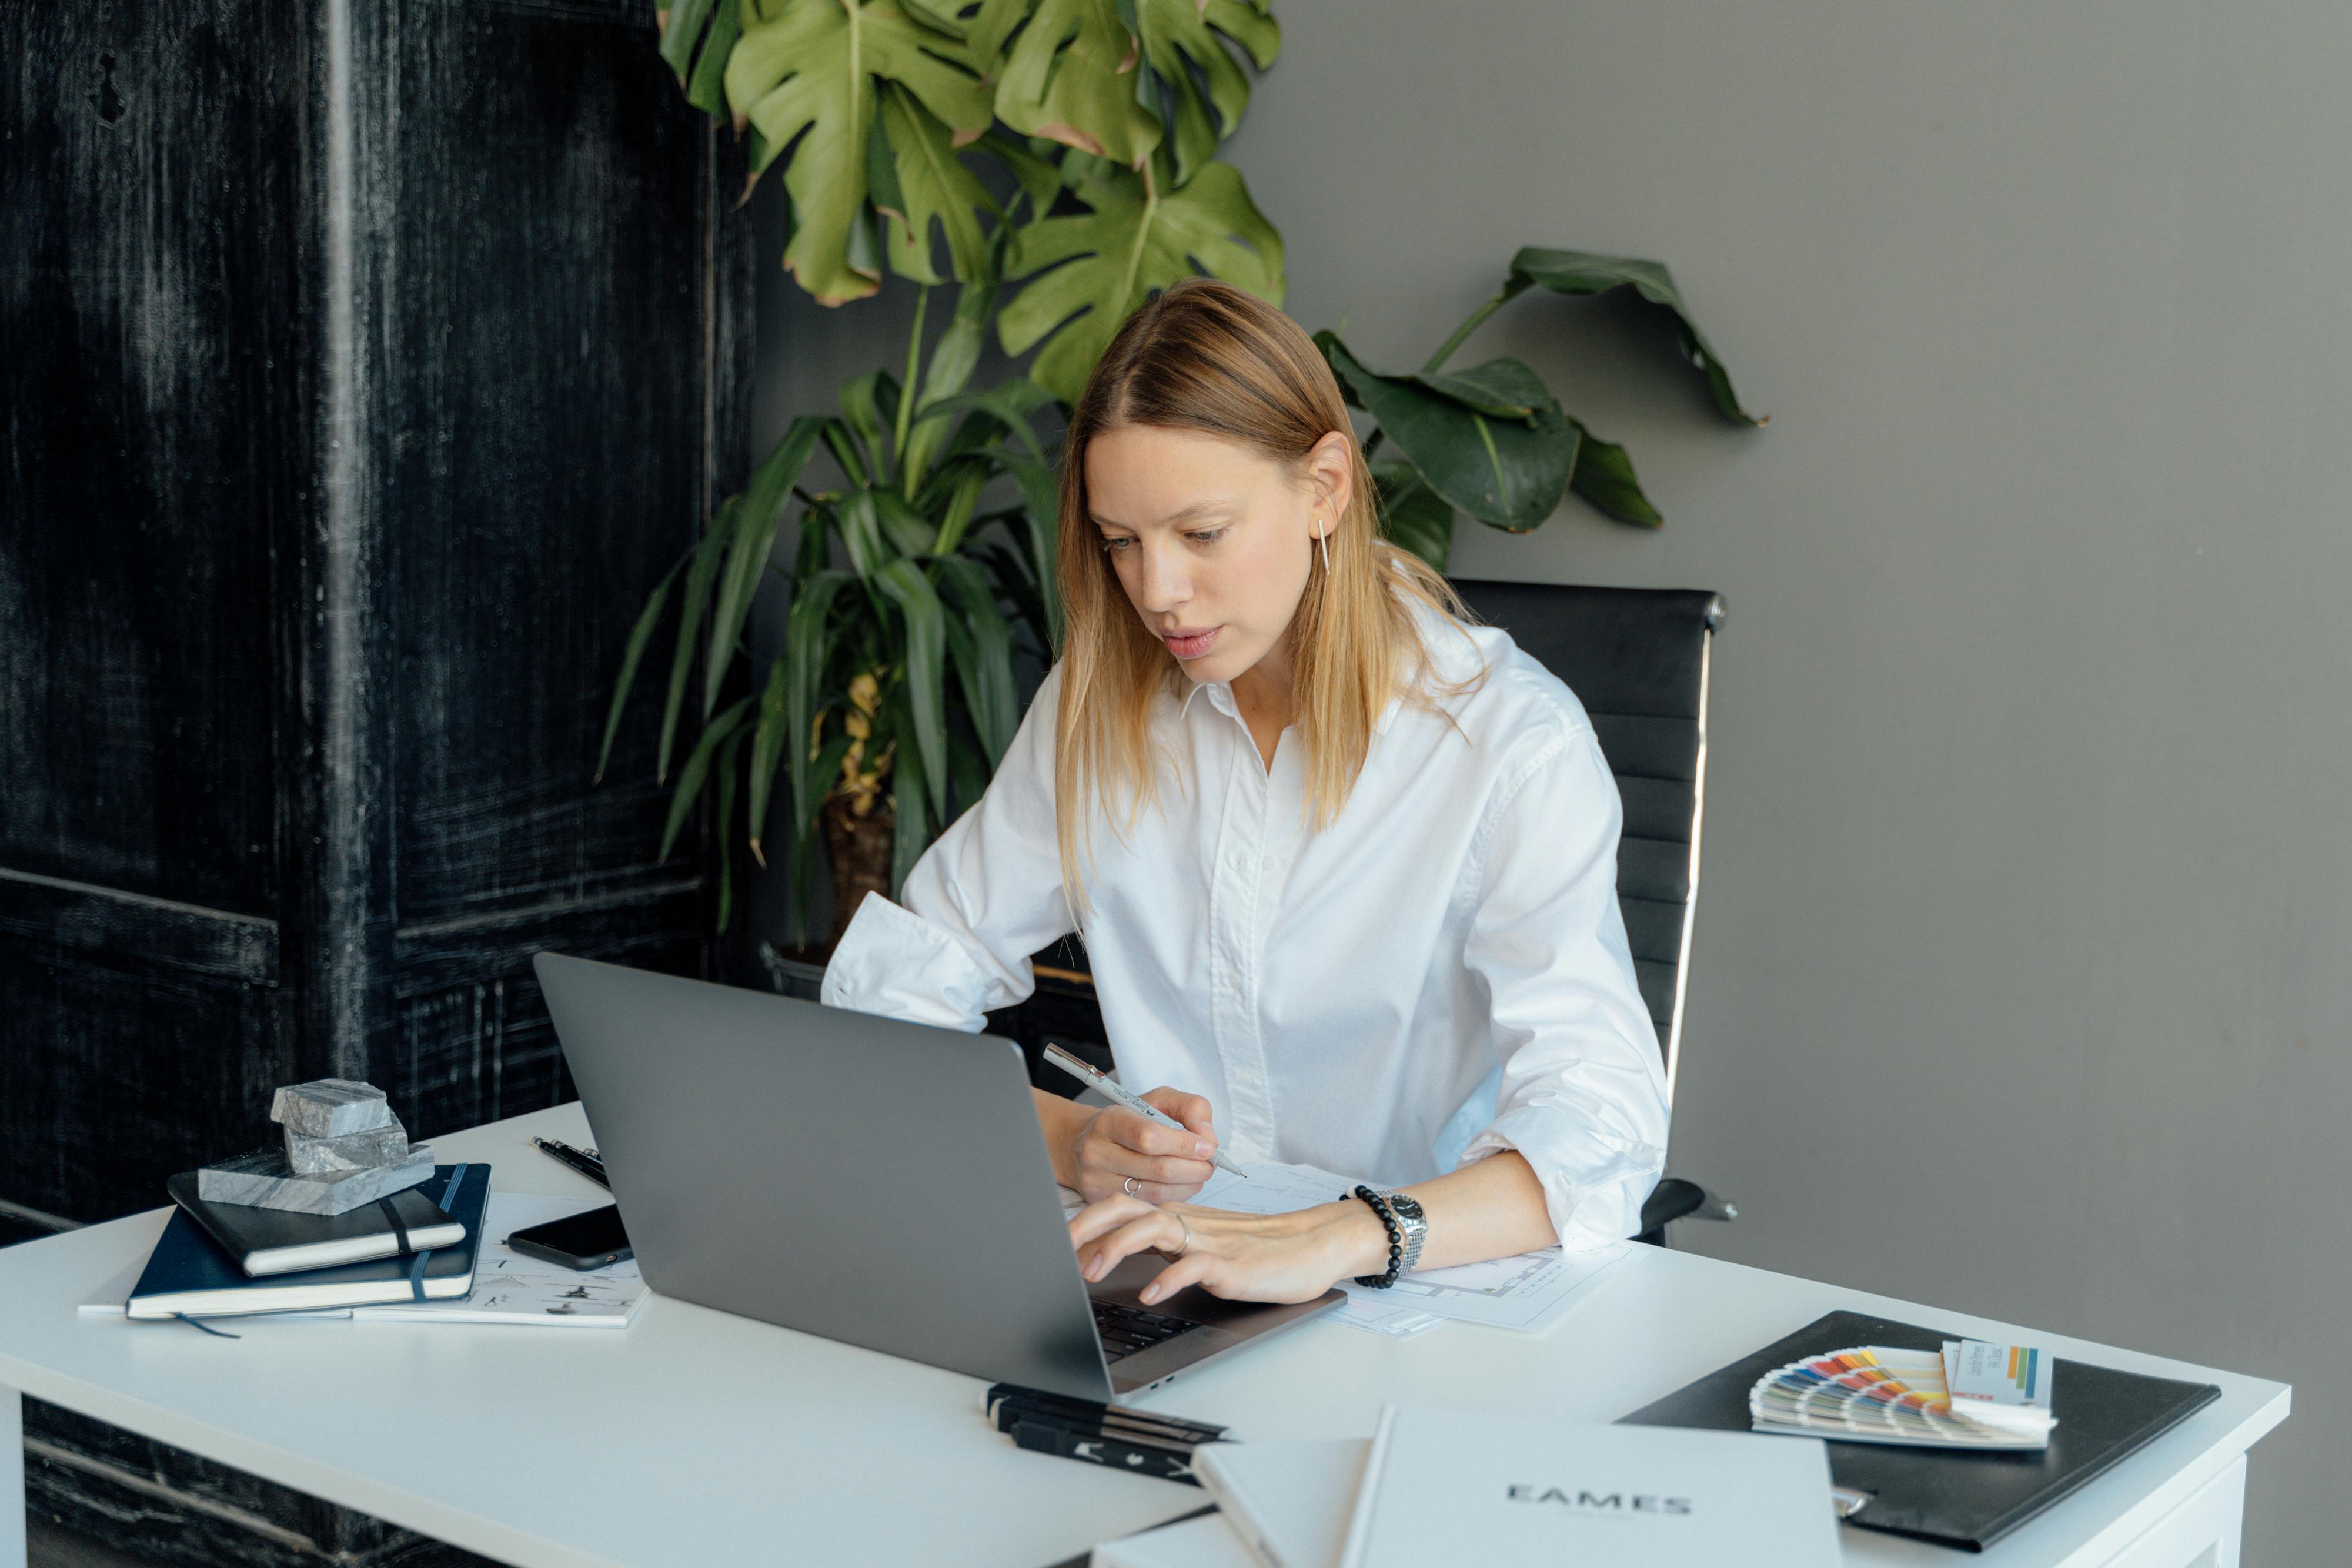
x=1055, y=161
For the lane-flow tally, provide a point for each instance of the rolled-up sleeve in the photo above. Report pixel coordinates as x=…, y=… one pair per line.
x=1583, y=1095
x=982, y=899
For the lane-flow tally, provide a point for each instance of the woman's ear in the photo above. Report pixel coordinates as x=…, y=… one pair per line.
x=1332, y=476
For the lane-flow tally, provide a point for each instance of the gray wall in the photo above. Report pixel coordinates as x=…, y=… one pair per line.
x=2024, y=856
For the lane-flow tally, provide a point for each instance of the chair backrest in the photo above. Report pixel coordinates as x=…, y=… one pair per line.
x=1637, y=658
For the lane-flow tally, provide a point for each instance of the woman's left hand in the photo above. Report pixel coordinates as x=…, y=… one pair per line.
x=1242, y=1257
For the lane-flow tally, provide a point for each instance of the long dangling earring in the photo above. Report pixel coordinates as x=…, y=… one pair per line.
x=1324, y=539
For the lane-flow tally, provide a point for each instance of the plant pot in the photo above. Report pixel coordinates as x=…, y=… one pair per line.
x=859, y=848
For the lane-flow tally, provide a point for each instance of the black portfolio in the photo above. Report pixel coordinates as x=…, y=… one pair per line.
x=1967, y=1499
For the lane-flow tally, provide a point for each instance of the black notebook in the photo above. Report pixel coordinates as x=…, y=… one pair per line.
x=189, y=1275
x=1955, y=1498
x=276, y=1241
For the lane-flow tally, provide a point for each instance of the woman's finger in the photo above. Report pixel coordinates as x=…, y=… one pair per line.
x=1190, y=1269
x=1148, y=1137
x=1155, y=1229
x=1105, y=1215
x=1191, y=1110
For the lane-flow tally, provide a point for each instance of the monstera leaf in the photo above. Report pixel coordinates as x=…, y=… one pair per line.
x=1490, y=440
x=1138, y=237
x=1184, y=47
x=808, y=72
x=1574, y=272
x=1069, y=77
x=915, y=181
x=697, y=36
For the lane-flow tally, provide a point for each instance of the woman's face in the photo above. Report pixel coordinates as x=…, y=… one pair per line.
x=1211, y=540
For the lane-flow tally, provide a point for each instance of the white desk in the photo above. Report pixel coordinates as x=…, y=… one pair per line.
x=694, y=1436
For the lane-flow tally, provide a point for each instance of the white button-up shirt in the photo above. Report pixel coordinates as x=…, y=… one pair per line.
x=1335, y=995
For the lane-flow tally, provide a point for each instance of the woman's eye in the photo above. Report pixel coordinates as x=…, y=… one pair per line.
x=1118, y=546
x=1208, y=536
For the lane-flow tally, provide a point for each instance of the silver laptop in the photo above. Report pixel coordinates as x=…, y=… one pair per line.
x=880, y=1183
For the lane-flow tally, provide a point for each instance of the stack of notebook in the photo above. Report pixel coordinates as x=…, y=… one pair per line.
x=226, y=1259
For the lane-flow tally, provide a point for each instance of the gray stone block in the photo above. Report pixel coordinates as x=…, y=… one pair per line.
x=263, y=1179
x=352, y=1152
x=330, y=1107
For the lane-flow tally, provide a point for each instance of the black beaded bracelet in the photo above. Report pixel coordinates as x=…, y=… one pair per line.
x=1396, y=1240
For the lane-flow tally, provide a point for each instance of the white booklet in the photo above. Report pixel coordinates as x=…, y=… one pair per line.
x=1289, y=1502
x=1452, y=1486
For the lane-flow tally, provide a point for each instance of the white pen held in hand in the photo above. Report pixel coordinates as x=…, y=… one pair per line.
x=1121, y=1095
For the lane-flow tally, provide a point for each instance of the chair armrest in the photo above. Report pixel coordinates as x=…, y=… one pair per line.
x=1674, y=1199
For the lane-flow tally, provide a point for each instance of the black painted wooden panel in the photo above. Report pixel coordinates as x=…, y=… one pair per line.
x=150, y=386
x=118, y=1076
x=544, y=391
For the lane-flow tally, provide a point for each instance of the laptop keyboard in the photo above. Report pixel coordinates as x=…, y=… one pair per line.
x=1126, y=1329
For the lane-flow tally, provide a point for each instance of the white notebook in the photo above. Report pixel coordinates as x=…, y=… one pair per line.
x=1289, y=1502
x=1449, y=1486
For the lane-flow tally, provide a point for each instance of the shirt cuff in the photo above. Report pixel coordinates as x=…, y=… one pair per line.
x=893, y=962
x=1594, y=1184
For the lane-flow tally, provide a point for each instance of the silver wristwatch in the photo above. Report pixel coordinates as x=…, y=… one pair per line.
x=1414, y=1223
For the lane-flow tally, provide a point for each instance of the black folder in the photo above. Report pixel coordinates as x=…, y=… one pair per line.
x=1954, y=1498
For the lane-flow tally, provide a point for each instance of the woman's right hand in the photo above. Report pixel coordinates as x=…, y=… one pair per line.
x=1108, y=1148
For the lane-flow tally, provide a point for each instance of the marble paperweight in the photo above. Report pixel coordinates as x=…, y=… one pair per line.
x=352, y=1152
x=263, y=1179
x=330, y=1108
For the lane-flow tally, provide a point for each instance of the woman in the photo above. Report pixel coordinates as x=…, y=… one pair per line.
x=1333, y=853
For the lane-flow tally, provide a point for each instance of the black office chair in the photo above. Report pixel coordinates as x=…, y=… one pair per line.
x=1637, y=658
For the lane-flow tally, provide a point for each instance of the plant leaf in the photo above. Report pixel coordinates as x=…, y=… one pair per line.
x=756, y=521
x=639, y=635
x=803, y=74
x=910, y=831
x=1041, y=514
x=1604, y=477
x=1577, y=272
x=987, y=670
x=1066, y=78
x=767, y=749
x=698, y=767
x=903, y=583
x=953, y=358
x=933, y=186
x=1412, y=516
x=861, y=533
x=827, y=767
x=726, y=815
x=1010, y=406
x=1185, y=45
x=1137, y=237
x=869, y=407
x=1506, y=473
x=803, y=661
x=707, y=557
x=1499, y=387
x=962, y=500
x=909, y=531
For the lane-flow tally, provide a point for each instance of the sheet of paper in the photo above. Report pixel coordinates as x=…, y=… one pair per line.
x=509, y=1288
x=1529, y=1291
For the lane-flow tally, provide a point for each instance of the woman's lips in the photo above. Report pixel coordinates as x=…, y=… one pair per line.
x=1191, y=644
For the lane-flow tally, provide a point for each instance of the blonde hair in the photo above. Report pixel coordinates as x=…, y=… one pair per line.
x=1206, y=356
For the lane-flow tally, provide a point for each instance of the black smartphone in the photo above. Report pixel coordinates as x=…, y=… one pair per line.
x=587, y=1240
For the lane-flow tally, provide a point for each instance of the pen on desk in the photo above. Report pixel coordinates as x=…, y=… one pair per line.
x=1132, y=1100
x=584, y=1161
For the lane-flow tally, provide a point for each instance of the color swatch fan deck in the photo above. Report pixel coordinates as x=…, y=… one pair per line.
x=1876, y=1393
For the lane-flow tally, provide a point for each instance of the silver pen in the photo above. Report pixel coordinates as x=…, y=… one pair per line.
x=1128, y=1097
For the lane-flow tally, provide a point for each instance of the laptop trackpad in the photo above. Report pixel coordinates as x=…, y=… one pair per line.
x=1193, y=1304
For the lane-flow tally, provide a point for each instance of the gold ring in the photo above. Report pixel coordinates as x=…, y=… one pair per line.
x=1134, y=1189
